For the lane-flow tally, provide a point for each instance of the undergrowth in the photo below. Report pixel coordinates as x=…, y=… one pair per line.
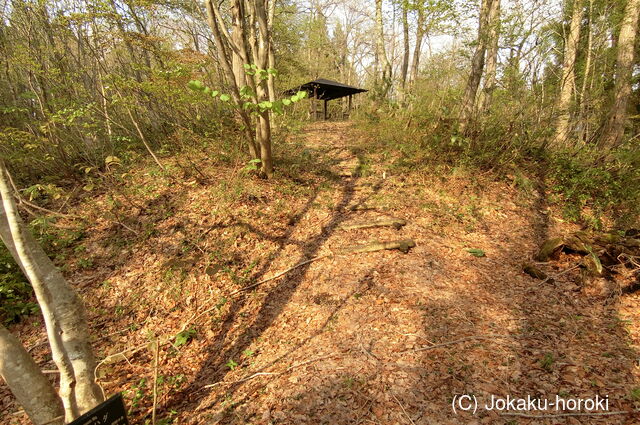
x=16, y=294
x=511, y=146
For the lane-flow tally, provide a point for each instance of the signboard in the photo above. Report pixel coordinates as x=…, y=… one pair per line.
x=111, y=412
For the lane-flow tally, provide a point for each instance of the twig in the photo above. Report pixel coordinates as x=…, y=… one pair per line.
x=56, y=419
x=277, y=275
x=21, y=200
x=402, y=407
x=554, y=277
x=155, y=383
x=456, y=341
x=38, y=344
x=255, y=375
x=561, y=415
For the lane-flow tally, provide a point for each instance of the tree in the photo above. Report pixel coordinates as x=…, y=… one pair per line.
x=63, y=314
x=418, y=43
x=433, y=16
x=614, y=127
x=383, y=66
x=405, y=42
x=492, y=58
x=567, y=82
x=31, y=388
x=248, y=43
x=488, y=10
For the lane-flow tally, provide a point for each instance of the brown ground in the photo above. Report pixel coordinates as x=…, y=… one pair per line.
x=340, y=340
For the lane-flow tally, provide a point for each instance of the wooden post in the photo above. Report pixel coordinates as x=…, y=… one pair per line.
x=349, y=108
x=313, y=103
x=325, y=109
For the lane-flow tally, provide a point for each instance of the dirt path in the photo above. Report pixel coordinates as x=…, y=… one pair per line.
x=342, y=340
x=375, y=338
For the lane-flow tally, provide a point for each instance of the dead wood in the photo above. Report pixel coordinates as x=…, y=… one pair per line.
x=600, y=254
x=533, y=271
x=402, y=245
x=396, y=223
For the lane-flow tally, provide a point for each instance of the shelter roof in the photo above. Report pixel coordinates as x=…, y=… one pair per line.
x=325, y=89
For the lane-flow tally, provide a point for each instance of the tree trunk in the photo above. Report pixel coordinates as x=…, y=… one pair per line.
x=405, y=40
x=28, y=384
x=61, y=307
x=381, y=52
x=477, y=66
x=261, y=49
x=586, y=75
x=222, y=40
x=614, y=128
x=567, y=83
x=415, y=64
x=492, y=56
x=272, y=57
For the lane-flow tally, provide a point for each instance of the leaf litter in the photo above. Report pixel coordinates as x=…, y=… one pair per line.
x=380, y=337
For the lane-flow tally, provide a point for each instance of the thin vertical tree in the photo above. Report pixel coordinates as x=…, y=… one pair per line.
x=491, y=58
x=384, y=66
x=404, y=6
x=568, y=79
x=614, y=128
x=487, y=10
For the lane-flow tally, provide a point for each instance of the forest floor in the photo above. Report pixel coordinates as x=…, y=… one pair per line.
x=369, y=338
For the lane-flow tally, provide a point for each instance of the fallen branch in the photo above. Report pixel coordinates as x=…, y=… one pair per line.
x=402, y=245
x=456, y=341
x=396, y=223
x=554, y=277
x=155, y=382
x=277, y=275
x=257, y=374
x=403, y=410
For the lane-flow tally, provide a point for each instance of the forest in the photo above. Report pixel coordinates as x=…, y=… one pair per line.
x=319, y=212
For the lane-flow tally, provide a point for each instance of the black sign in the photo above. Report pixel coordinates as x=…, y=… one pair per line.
x=111, y=412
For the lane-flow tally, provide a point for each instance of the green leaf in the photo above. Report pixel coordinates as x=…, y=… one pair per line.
x=196, y=85
x=252, y=165
x=246, y=92
x=264, y=105
x=286, y=102
x=214, y=93
x=185, y=336
x=225, y=97
x=301, y=94
x=277, y=107
x=231, y=364
x=476, y=252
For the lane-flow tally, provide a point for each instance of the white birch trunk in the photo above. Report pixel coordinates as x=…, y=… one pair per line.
x=61, y=307
x=28, y=384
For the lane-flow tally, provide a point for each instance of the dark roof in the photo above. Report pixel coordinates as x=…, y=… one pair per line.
x=325, y=89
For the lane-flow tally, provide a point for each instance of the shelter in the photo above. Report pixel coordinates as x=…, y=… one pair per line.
x=323, y=89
